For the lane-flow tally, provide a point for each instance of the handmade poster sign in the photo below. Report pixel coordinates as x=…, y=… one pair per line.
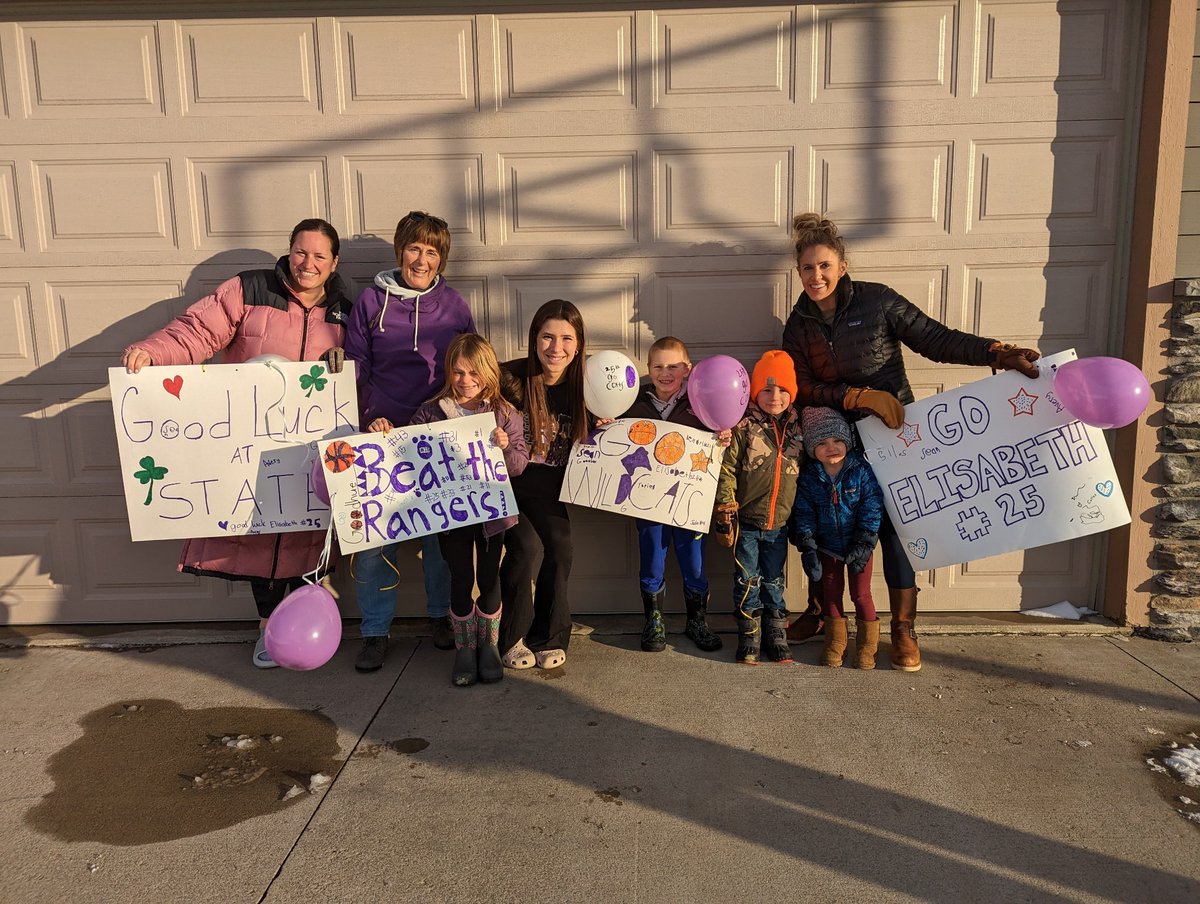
x=418, y=480
x=992, y=467
x=219, y=449
x=653, y=470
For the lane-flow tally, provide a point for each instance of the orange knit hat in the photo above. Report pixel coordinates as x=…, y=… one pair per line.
x=774, y=368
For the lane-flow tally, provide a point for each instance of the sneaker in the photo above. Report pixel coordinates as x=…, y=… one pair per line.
x=262, y=659
x=371, y=654
x=443, y=632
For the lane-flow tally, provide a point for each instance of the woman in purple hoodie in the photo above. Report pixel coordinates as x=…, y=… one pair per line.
x=398, y=334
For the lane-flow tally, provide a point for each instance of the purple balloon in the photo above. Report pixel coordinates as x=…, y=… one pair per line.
x=305, y=629
x=719, y=391
x=1102, y=392
x=316, y=479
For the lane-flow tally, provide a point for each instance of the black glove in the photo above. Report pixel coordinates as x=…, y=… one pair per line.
x=809, y=558
x=334, y=359
x=862, y=546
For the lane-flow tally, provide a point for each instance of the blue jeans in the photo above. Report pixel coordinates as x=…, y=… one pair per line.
x=758, y=569
x=653, y=542
x=377, y=576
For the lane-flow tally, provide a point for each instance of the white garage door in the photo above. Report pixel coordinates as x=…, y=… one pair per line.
x=644, y=164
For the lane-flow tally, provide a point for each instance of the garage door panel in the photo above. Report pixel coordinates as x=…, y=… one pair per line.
x=1020, y=47
x=36, y=567
x=92, y=69
x=86, y=443
x=901, y=189
x=379, y=75
x=568, y=197
x=923, y=286
x=87, y=204
x=606, y=301
x=381, y=189
x=18, y=355
x=885, y=51
x=720, y=311
x=1061, y=185
x=730, y=57
x=28, y=465
x=11, y=241
x=723, y=194
x=251, y=200
x=575, y=61
x=249, y=68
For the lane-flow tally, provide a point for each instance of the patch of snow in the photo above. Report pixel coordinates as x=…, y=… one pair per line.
x=318, y=781
x=1062, y=609
x=1185, y=764
x=294, y=791
x=1154, y=731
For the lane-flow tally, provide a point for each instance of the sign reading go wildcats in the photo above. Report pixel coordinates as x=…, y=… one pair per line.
x=649, y=469
x=226, y=449
x=993, y=467
x=412, y=481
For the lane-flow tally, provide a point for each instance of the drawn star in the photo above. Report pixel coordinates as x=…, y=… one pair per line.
x=632, y=462
x=700, y=461
x=910, y=433
x=1022, y=403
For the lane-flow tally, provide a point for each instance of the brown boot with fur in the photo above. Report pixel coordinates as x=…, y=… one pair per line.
x=835, y=642
x=906, y=655
x=866, y=643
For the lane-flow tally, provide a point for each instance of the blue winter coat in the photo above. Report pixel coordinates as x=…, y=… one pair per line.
x=832, y=509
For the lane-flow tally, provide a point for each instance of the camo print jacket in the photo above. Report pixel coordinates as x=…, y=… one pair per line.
x=761, y=467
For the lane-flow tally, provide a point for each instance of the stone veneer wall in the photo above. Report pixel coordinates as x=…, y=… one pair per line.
x=1175, y=607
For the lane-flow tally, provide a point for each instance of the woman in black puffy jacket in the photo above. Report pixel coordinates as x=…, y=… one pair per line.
x=845, y=338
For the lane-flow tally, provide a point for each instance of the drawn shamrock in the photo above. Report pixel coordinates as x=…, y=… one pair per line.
x=149, y=475
x=313, y=380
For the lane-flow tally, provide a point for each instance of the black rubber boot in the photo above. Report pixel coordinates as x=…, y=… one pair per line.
x=697, y=626
x=654, y=634
x=749, y=635
x=775, y=635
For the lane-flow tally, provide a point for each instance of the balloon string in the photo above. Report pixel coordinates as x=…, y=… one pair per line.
x=323, y=560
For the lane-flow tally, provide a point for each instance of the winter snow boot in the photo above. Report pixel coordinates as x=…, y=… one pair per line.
x=906, y=655
x=866, y=643
x=491, y=668
x=835, y=642
x=654, y=634
x=697, y=627
x=775, y=644
x=466, y=643
x=749, y=635
x=810, y=625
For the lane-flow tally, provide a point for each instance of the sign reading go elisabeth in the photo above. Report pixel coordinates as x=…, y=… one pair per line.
x=226, y=449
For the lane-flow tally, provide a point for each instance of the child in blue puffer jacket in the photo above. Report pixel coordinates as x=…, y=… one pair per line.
x=835, y=520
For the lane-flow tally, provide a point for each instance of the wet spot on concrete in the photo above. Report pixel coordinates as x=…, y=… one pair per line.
x=146, y=771
x=611, y=796
x=402, y=745
x=553, y=674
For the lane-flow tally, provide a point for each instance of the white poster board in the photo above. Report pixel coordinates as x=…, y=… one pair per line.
x=992, y=467
x=226, y=449
x=648, y=469
x=418, y=480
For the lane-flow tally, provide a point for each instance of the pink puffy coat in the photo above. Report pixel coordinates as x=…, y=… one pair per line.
x=253, y=314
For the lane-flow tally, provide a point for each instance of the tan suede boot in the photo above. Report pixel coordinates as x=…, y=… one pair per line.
x=835, y=642
x=866, y=643
x=906, y=655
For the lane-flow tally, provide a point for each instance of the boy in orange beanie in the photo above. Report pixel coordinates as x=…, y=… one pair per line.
x=758, y=483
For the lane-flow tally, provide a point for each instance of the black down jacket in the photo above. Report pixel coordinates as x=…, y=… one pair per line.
x=862, y=346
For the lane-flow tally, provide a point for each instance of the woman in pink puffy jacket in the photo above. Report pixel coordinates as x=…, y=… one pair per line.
x=298, y=311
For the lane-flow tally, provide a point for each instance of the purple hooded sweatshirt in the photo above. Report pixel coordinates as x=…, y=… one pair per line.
x=397, y=338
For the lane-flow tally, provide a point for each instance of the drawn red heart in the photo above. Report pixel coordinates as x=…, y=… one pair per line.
x=173, y=385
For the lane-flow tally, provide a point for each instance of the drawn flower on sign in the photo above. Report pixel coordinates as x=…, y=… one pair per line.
x=313, y=380
x=149, y=473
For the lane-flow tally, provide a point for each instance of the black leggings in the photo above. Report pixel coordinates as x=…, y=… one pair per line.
x=269, y=593
x=897, y=570
x=544, y=617
x=472, y=557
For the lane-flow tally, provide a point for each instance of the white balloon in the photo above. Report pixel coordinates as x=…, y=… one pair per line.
x=269, y=358
x=610, y=384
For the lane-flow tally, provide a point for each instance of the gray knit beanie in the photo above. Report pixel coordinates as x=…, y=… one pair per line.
x=822, y=423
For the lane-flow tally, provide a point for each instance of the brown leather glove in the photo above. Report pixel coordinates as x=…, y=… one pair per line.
x=883, y=405
x=1006, y=356
x=725, y=523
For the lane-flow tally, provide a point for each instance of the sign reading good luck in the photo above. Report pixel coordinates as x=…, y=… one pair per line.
x=992, y=467
x=215, y=450
x=654, y=470
x=417, y=480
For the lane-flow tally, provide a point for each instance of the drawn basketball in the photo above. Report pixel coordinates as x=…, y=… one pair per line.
x=642, y=432
x=670, y=448
x=339, y=456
